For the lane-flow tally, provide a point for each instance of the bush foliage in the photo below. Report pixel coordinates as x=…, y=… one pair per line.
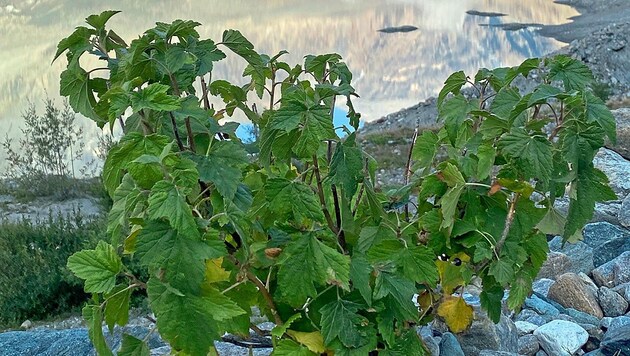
x=299, y=229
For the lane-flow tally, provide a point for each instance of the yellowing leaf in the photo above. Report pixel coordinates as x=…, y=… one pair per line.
x=313, y=340
x=214, y=271
x=456, y=313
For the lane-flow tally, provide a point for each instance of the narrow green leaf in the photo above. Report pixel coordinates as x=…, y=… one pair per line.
x=99, y=267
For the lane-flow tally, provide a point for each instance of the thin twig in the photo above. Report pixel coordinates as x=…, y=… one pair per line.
x=508, y=224
x=176, y=132
x=191, y=137
x=270, y=303
x=414, y=138
x=322, y=199
x=204, y=89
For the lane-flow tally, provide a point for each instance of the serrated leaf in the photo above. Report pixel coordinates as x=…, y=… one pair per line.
x=133, y=347
x=425, y=149
x=291, y=348
x=519, y=290
x=183, y=258
x=316, y=126
x=534, y=152
x=448, y=203
x=453, y=84
x=340, y=320
x=93, y=316
x=190, y=323
x=543, y=93
x=455, y=111
x=400, y=290
x=360, y=273
x=456, y=313
x=491, y=299
x=75, y=83
x=154, y=97
x=99, y=267
x=99, y=21
x=279, y=330
x=504, y=102
x=502, y=271
x=166, y=201
x=486, y=154
x=313, y=340
x=597, y=111
x=552, y=223
x=117, y=307
x=407, y=344
x=222, y=167
x=417, y=264
x=77, y=43
x=292, y=199
x=346, y=166
x=311, y=264
x=574, y=74
x=207, y=53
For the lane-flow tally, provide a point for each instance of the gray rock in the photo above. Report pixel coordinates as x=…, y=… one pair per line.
x=624, y=212
x=581, y=317
x=620, y=322
x=616, y=342
x=623, y=290
x=579, y=254
x=597, y=352
x=611, y=302
x=595, y=336
x=613, y=273
x=565, y=318
x=561, y=337
x=450, y=345
x=616, y=169
x=528, y=345
x=604, y=212
x=622, y=117
x=161, y=351
x=226, y=348
x=426, y=334
x=608, y=241
x=571, y=292
x=525, y=327
x=541, y=353
x=589, y=282
x=540, y=306
x=497, y=353
x=557, y=263
x=531, y=316
x=542, y=285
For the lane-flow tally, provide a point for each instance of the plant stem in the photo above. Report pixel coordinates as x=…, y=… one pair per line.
x=176, y=132
x=204, y=89
x=508, y=224
x=414, y=138
x=191, y=137
x=266, y=295
x=322, y=199
x=340, y=233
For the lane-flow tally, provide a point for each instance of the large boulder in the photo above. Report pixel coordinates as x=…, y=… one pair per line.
x=561, y=338
x=608, y=241
x=570, y=291
x=616, y=169
x=616, y=342
x=580, y=254
x=613, y=273
x=612, y=303
x=622, y=117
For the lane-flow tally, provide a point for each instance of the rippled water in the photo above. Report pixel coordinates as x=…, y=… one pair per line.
x=391, y=71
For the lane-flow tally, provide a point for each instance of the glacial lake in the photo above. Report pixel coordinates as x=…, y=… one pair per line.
x=391, y=70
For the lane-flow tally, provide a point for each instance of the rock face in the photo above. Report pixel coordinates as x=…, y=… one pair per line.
x=561, y=337
x=580, y=255
x=608, y=241
x=616, y=169
x=613, y=273
x=611, y=302
x=571, y=292
x=622, y=117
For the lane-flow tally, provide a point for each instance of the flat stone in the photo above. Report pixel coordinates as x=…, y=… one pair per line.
x=557, y=263
x=540, y=306
x=571, y=292
x=613, y=273
x=607, y=240
x=561, y=337
x=581, y=317
x=616, y=342
x=542, y=285
x=528, y=345
x=580, y=255
x=525, y=327
x=616, y=169
x=620, y=322
x=497, y=353
x=611, y=302
x=450, y=346
x=531, y=316
x=624, y=212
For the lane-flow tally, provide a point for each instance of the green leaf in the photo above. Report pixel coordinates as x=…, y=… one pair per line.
x=77, y=86
x=166, y=201
x=453, y=84
x=117, y=307
x=491, y=298
x=130, y=147
x=340, y=320
x=455, y=111
x=222, y=166
x=425, y=149
x=207, y=53
x=502, y=271
x=448, y=202
x=154, y=97
x=401, y=291
x=318, y=64
x=99, y=267
x=504, y=102
x=486, y=154
x=77, y=44
x=360, y=274
x=190, y=323
x=534, y=153
x=292, y=199
x=552, y=223
x=346, y=166
x=99, y=21
x=417, y=263
x=542, y=94
x=597, y=111
x=317, y=126
x=407, y=344
x=574, y=74
x=291, y=348
x=133, y=347
x=93, y=316
x=311, y=264
x=182, y=258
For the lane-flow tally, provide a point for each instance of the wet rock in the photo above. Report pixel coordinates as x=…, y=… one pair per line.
x=613, y=273
x=611, y=302
x=616, y=342
x=561, y=337
x=580, y=255
x=528, y=345
x=616, y=169
x=622, y=117
x=525, y=327
x=571, y=292
x=557, y=263
x=608, y=241
x=450, y=345
x=542, y=285
x=624, y=212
